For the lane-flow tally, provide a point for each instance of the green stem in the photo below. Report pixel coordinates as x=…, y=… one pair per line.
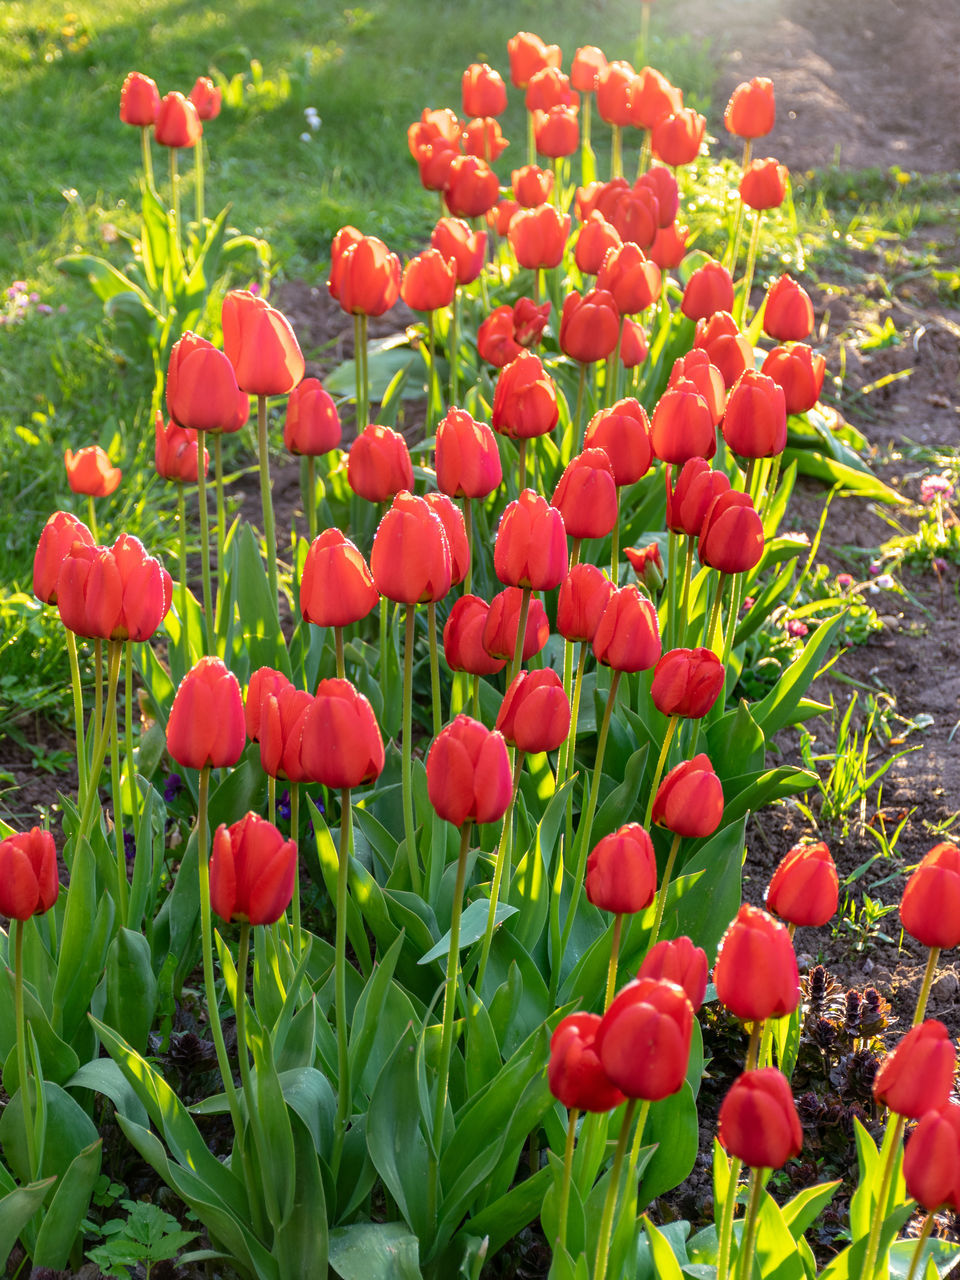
x=888, y=1153
x=931, y=969
x=615, y=545
x=504, y=852
x=77, y=714
x=733, y=250
x=358, y=371
x=616, y=153
x=147, y=157
x=664, y=886
x=685, y=593
x=221, y=513
x=747, y=1240
x=669, y=639
x=744, y=299
x=205, y=543
x=103, y=738
x=771, y=492
x=92, y=517
x=338, y=644
x=561, y=1240
x=266, y=499
x=726, y=1221
x=175, y=194
x=434, y=665
x=311, y=496
x=431, y=371
x=661, y=765
x=295, y=837
x=614, y=961
x=454, y=344
x=610, y=1203
x=25, y=1089
x=531, y=140
x=199, y=181
x=468, y=525
x=517, y=660
x=710, y=633
x=272, y=800
x=475, y=699
x=128, y=738
x=585, y=147
x=406, y=757
x=733, y=618
x=184, y=615
x=922, y=1239
x=522, y=463
x=578, y=412
x=450, y=989
x=117, y=797
x=344, y=1089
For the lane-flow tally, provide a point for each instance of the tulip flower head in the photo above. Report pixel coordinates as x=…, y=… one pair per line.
x=644, y=1039
x=59, y=534
x=463, y=638
x=731, y=536
x=202, y=391
x=917, y=1076
x=678, y=960
x=483, y=91
x=764, y=184
x=751, y=111
x=931, y=1159
x=29, y=884
x=787, y=311
x=379, y=465
x=584, y=594
x=627, y=637
x=178, y=123
x=709, y=289
x=758, y=1120
x=260, y=344
x=503, y=619
x=176, y=452
x=90, y=472
x=468, y=773
x=575, y=1073
x=930, y=906
x=524, y=399
x=139, y=100
x=341, y=746
x=411, y=560
x=804, y=888
x=687, y=682
x=206, y=725
x=586, y=495
x=252, y=870
x=799, y=373
x=623, y=433
x=206, y=97
x=467, y=459
x=312, y=424
x=531, y=545
x=337, y=587
x=756, y=972
x=365, y=276
x=622, y=871
x=755, y=421
x=535, y=713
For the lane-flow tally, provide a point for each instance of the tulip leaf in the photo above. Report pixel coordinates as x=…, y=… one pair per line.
x=623, y=799
x=473, y=925
x=665, y=1264
x=263, y=640
x=58, y=1059
x=68, y=1131
x=396, y=1144
x=776, y=1249
x=304, y=1234
x=17, y=1207
x=852, y=478
x=735, y=742
x=704, y=912
x=375, y=1251
x=131, y=988
x=786, y=1034
x=66, y=1211
x=784, y=704
x=329, y=865
x=102, y=1075
x=105, y=280
x=937, y=1257
x=752, y=791
x=672, y=1125
x=87, y=929
x=806, y=1206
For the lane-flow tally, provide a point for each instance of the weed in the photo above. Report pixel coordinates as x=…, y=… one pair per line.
x=860, y=921
x=146, y=1236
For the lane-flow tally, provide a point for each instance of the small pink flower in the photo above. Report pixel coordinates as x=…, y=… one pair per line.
x=844, y=581
x=796, y=628
x=933, y=486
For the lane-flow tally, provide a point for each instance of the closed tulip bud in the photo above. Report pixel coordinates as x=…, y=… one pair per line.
x=59, y=534
x=584, y=594
x=755, y=421
x=930, y=906
x=528, y=55
x=622, y=871
x=90, y=472
x=682, y=424
x=631, y=277
x=535, y=713
x=689, y=500
x=709, y=289
x=503, y=621
x=89, y=591
x=669, y=247
x=337, y=587
x=283, y=714
x=586, y=495
x=731, y=536
x=728, y=348
x=787, y=311
x=799, y=372
x=206, y=97
x=463, y=248
x=574, y=1072
x=678, y=960
x=202, y=391
x=252, y=871
x=139, y=100
x=433, y=161
x=176, y=450
x=496, y=343
x=341, y=746
x=428, y=282
x=623, y=433
x=585, y=68
x=615, y=86
x=538, y=236
x=501, y=215
x=524, y=399
x=312, y=425
x=687, y=682
x=663, y=183
x=206, y=725
x=146, y=587
x=931, y=1159
x=177, y=123
x=804, y=888
x=463, y=638
x=653, y=98
x=451, y=517
x=529, y=321
x=764, y=184
x=468, y=773
x=549, y=88
x=471, y=187
x=644, y=1039
x=260, y=344
x=589, y=326
x=439, y=124
x=411, y=560
x=595, y=238
x=676, y=139
x=751, y=111
x=28, y=874
x=628, y=637
x=378, y=465
x=531, y=546
x=758, y=1120
x=689, y=800
x=756, y=971
x=695, y=367
x=467, y=459
x=647, y=564
x=483, y=91
x=587, y=198
x=264, y=682
x=917, y=1075
x=482, y=137
x=556, y=132
x=364, y=275
x=636, y=215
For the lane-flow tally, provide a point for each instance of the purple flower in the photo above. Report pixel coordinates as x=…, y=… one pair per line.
x=172, y=786
x=283, y=805
x=129, y=846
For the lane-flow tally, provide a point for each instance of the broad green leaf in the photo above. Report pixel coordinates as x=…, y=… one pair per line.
x=308, y=1092
x=502, y=1219
x=131, y=988
x=66, y=1211
x=806, y=1206
x=666, y=1266
x=735, y=743
x=776, y=1249
x=59, y=1061
x=396, y=1144
x=779, y=708
x=103, y=278
x=272, y=1130
x=473, y=925
x=939, y=1256
x=17, y=1207
x=672, y=1125
x=102, y=1075
x=375, y=1251
x=87, y=929
x=746, y=793
x=303, y=1238
x=68, y=1131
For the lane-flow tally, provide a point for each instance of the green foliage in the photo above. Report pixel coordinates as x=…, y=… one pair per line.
x=147, y=1235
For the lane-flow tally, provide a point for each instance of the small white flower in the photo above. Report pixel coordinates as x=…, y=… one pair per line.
x=306, y=137
x=885, y=582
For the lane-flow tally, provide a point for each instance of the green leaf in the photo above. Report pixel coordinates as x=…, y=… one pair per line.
x=103, y=278
x=66, y=1211
x=939, y=1255
x=665, y=1264
x=786, y=1032
x=87, y=929
x=779, y=708
x=776, y=1248
x=68, y=1131
x=276, y=1150
x=806, y=1206
x=131, y=988
x=481, y=1051
x=735, y=743
x=506, y=1216
x=473, y=925
x=747, y=793
x=396, y=1144
x=672, y=1125
x=263, y=639
x=303, y=1237
x=59, y=1061
x=308, y=1092
x=17, y=1208
x=375, y=1251
x=102, y=1075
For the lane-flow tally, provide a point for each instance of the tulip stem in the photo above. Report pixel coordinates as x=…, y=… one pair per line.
x=745, y=1257
x=175, y=194
x=117, y=796
x=406, y=757
x=561, y=1241
x=454, y=344
x=670, y=627
x=771, y=492
x=204, y=543
x=928, y=976
x=744, y=299
x=922, y=1239
x=103, y=738
x=344, y=1089
x=531, y=140
x=578, y=412
x=25, y=1090
x=516, y=662
x=710, y=634
x=475, y=701
x=434, y=665
x=94, y=727
x=888, y=1152
x=616, y=152
x=733, y=250
x=610, y=1203
x=199, y=183
x=295, y=837
x=661, y=764
x=522, y=464
x=311, y=497
x=614, y=961
x=147, y=156
x=92, y=517
x=184, y=616
x=726, y=1221
x=128, y=736
x=736, y=596
x=360, y=369
x=221, y=512
x=664, y=886
x=615, y=545
x=431, y=370
x=338, y=644
x=504, y=855
x=565, y=746
x=77, y=714
x=272, y=800
x=685, y=593
x=450, y=989
x=468, y=525
x=266, y=498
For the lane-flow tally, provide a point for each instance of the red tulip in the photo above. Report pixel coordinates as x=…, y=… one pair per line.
x=467, y=459
x=787, y=311
x=689, y=500
x=623, y=433
x=727, y=347
x=731, y=536
x=628, y=637
x=548, y=88
x=669, y=247
x=930, y=906
x=57, y=537
x=411, y=560
x=529, y=321
x=483, y=91
x=206, y=97
x=755, y=422
x=428, y=282
x=378, y=465
x=585, y=68
x=260, y=344
x=451, y=517
x=524, y=399
x=931, y=1159
x=264, y=682
x=689, y=801
x=678, y=960
x=341, y=746
x=345, y=240
x=437, y=125
x=538, y=236
x=501, y=215
x=647, y=564
x=663, y=183
x=751, y=111
x=695, y=367
x=176, y=450
x=556, y=132
x=574, y=1073
x=535, y=713
x=635, y=212
x=252, y=871
x=337, y=587
x=584, y=594
x=653, y=98
x=764, y=184
x=758, y=1120
x=917, y=1075
x=586, y=495
x=799, y=373
x=312, y=425
x=531, y=185
x=589, y=326
x=364, y=276
x=202, y=390
x=503, y=620
x=531, y=546
x=804, y=888
x=463, y=248
x=687, y=682
x=644, y=1039
x=112, y=593
x=463, y=638
x=682, y=424
x=496, y=343
x=433, y=161
x=631, y=277
x=676, y=138
x=709, y=289
x=471, y=187
x=206, y=725
x=615, y=88
x=528, y=55
x=756, y=971
x=468, y=773
x=283, y=714
x=177, y=123
x=139, y=100
x=90, y=472
x=595, y=238
x=146, y=588
x=622, y=871
x=29, y=885
x=482, y=137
